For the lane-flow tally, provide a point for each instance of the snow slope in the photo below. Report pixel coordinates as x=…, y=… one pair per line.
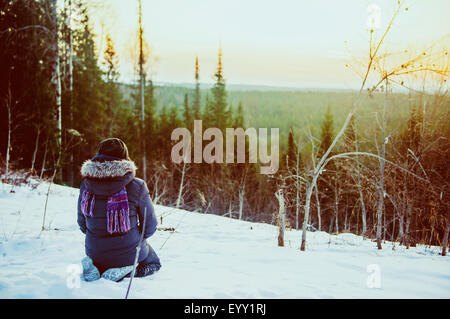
x=208, y=256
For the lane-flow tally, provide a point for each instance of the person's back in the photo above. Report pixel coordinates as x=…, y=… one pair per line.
x=111, y=209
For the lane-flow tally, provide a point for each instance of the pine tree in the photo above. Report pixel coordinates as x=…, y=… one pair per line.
x=89, y=91
x=113, y=96
x=150, y=116
x=25, y=64
x=326, y=184
x=219, y=108
x=161, y=131
x=187, y=112
x=412, y=134
x=174, y=120
x=111, y=61
x=67, y=58
x=127, y=127
x=290, y=158
x=239, y=117
x=208, y=115
x=352, y=176
x=196, y=105
x=142, y=61
x=327, y=134
x=349, y=138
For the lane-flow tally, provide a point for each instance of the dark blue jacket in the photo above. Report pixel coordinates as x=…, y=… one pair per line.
x=106, y=177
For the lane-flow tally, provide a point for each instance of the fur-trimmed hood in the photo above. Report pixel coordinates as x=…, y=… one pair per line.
x=107, y=169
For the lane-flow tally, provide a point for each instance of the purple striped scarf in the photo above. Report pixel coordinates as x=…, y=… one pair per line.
x=117, y=210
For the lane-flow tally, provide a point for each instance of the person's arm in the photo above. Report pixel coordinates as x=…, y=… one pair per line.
x=146, y=203
x=81, y=218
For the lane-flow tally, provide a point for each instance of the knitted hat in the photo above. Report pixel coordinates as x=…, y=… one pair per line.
x=113, y=147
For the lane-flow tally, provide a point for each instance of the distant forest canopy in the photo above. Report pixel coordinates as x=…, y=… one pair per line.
x=299, y=109
x=57, y=102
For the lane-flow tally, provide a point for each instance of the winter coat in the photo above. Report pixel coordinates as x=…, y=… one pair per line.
x=103, y=178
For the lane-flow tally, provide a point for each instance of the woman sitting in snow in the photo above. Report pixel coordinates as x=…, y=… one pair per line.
x=111, y=209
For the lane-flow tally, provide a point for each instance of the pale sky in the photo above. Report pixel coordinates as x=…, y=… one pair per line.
x=295, y=43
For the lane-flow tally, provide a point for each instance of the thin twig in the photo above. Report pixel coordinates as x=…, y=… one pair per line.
x=138, y=249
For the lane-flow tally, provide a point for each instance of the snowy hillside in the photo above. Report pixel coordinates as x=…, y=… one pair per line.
x=207, y=256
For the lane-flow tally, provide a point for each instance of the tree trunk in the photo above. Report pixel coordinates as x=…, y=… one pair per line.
x=180, y=192
x=400, y=227
x=445, y=239
x=303, y=244
x=332, y=221
x=379, y=218
x=71, y=164
x=33, y=161
x=319, y=217
x=8, y=149
x=281, y=216
x=363, y=214
x=393, y=229
x=346, y=219
x=241, y=202
x=309, y=191
x=142, y=84
x=297, y=205
x=297, y=186
x=56, y=77
x=336, y=207
x=230, y=212
x=408, y=223
x=382, y=164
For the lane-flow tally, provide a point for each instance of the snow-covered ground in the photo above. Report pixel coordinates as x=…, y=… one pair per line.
x=208, y=256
